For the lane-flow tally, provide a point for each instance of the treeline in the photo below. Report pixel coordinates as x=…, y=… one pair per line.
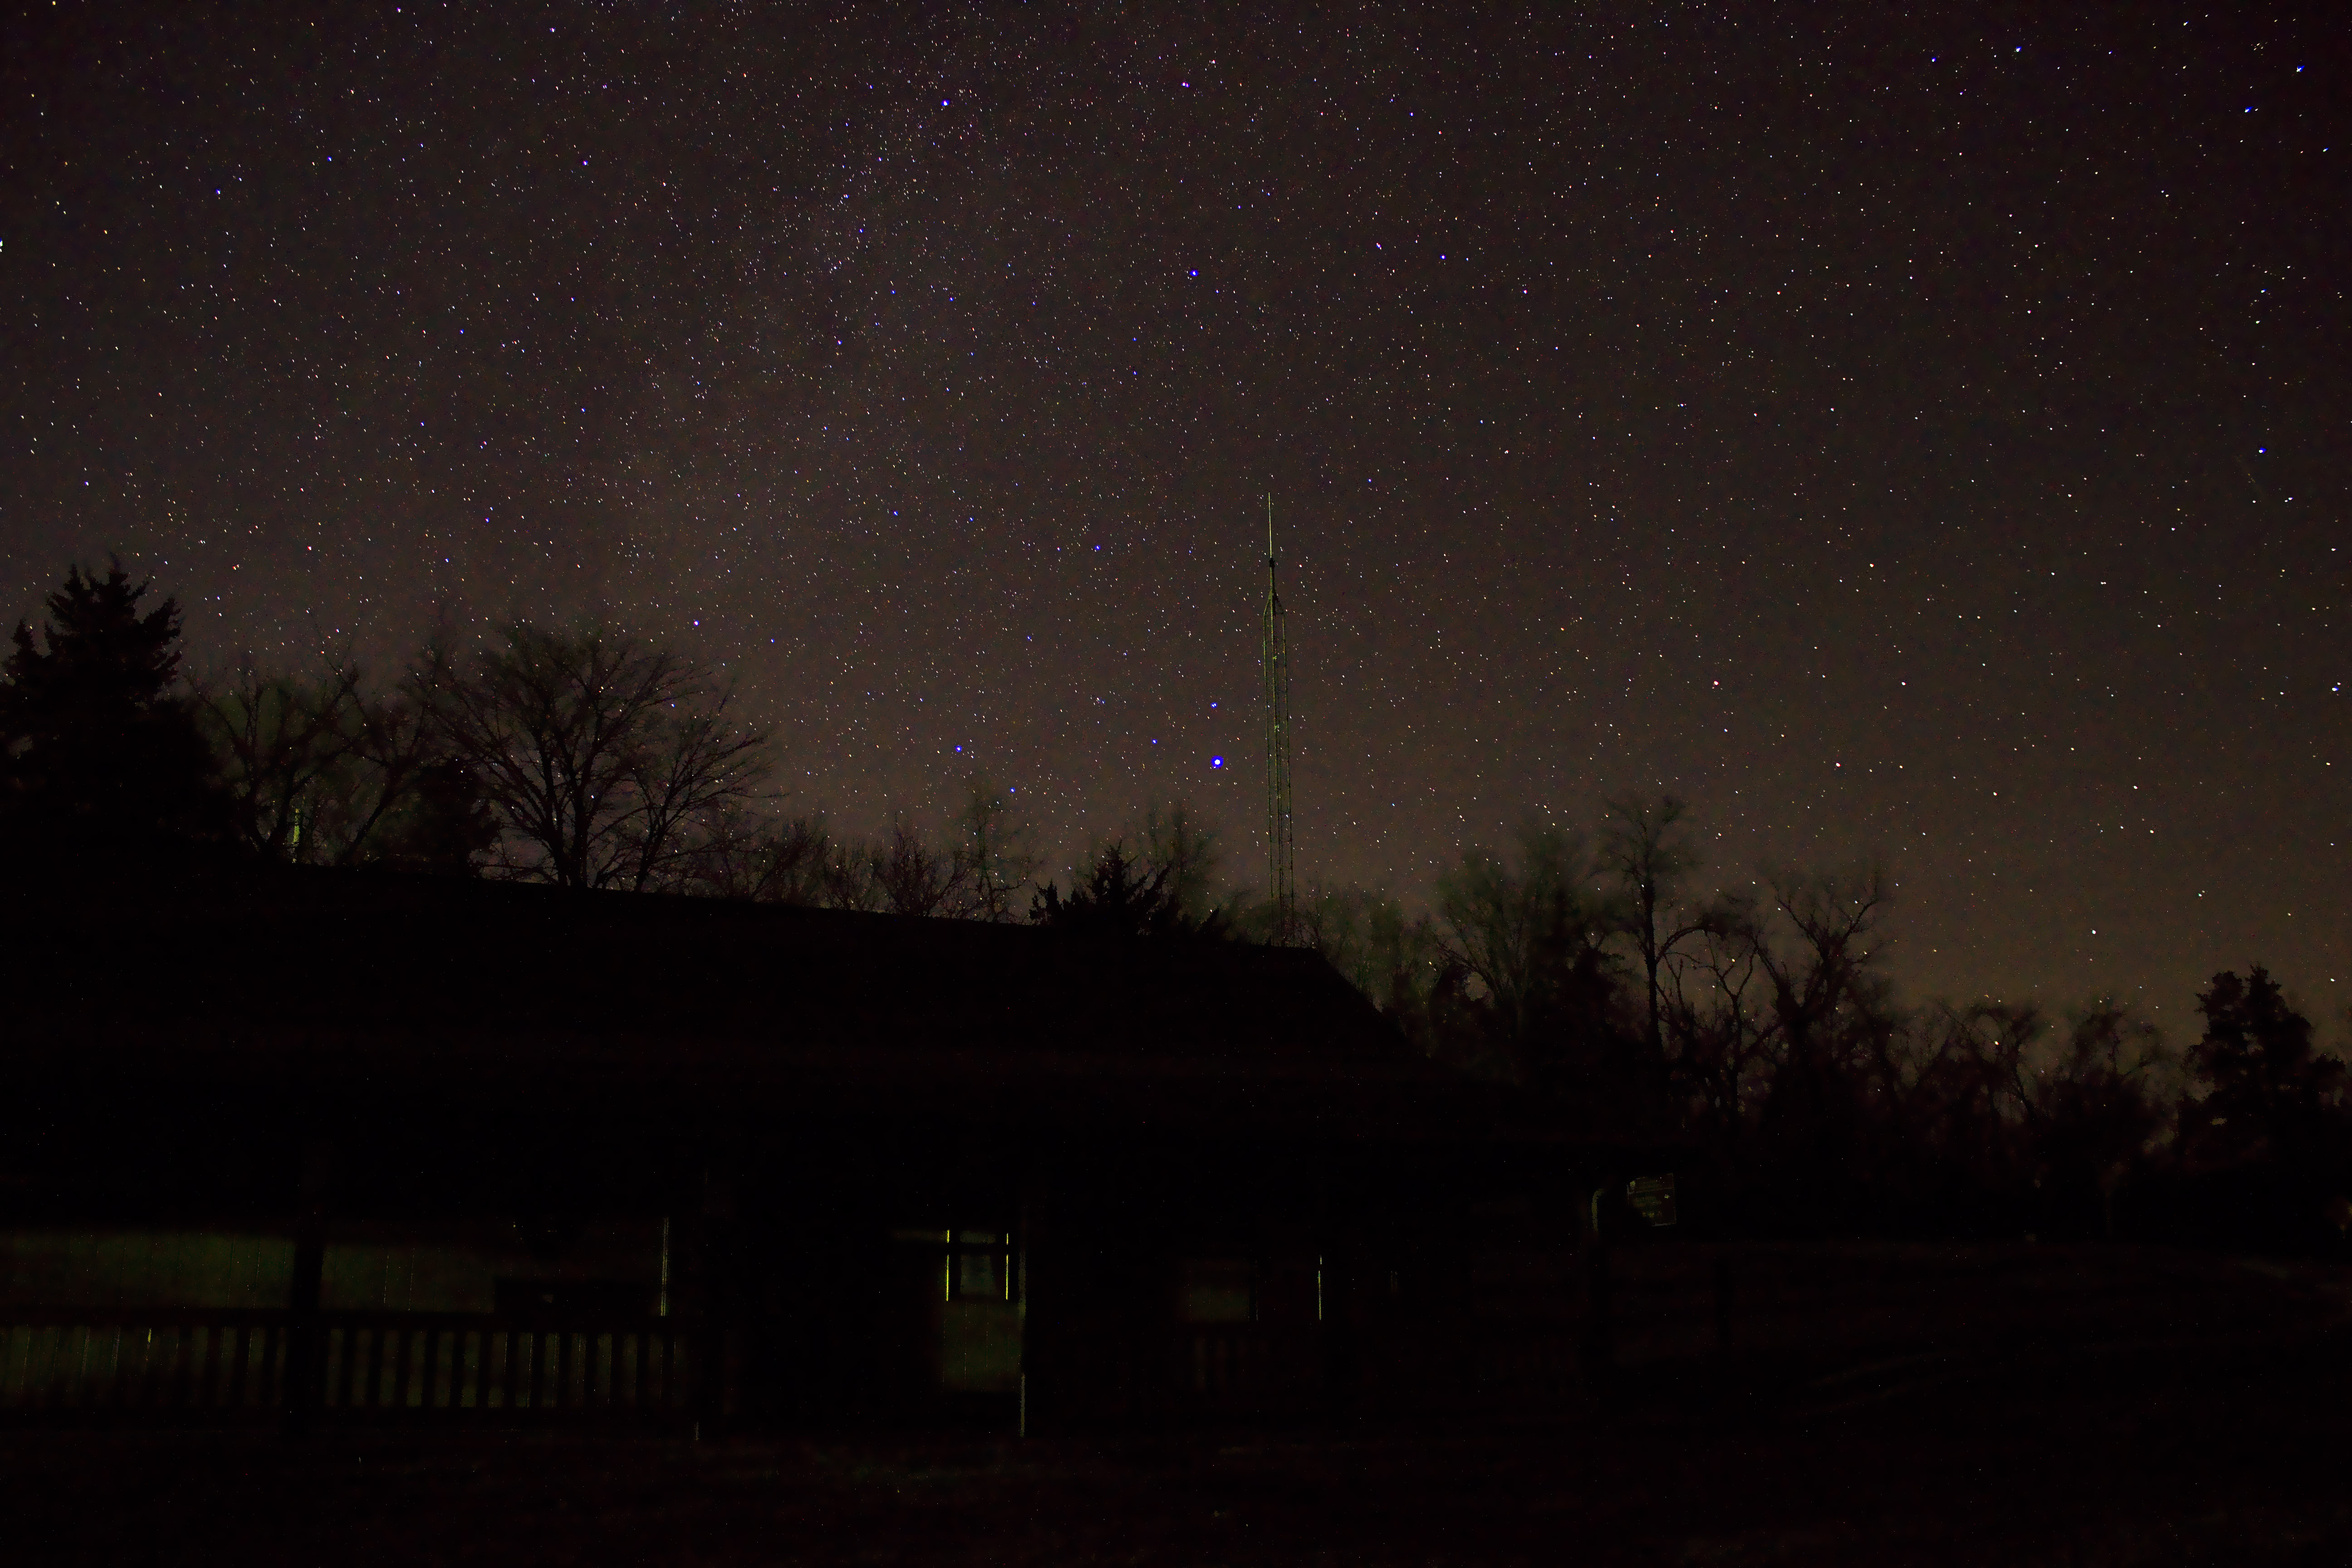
x=1756, y=1029
x=583, y=757
x=1759, y=1029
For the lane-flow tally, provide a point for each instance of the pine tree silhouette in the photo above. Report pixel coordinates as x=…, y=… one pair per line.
x=2268, y=1093
x=1120, y=898
x=98, y=755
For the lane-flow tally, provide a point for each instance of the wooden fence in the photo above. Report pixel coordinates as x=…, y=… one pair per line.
x=203, y=1366
x=1244, y=1365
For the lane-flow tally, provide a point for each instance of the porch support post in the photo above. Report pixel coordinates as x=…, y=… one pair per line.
x=1039, y=1392
x=714, y=1241
x=1600, y=1339
x=305, y=1345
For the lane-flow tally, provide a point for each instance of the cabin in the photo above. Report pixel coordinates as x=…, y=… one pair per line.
x=292, y=1145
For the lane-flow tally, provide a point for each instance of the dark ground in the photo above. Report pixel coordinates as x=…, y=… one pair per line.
x=2049, y=1406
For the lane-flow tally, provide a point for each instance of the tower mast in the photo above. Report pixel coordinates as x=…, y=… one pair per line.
x=1281, y=869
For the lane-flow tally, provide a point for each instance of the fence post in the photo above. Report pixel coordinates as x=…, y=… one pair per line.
x=1599, y=1340
x=303, y=1346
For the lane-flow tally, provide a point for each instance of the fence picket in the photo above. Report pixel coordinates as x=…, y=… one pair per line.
x=233, y=1363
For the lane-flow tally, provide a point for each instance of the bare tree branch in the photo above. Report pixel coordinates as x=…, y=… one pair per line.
x=686, y=773
x=916, y=879
x=605, y=759
x=999, y=853
x=743, y=856
x=280, y=741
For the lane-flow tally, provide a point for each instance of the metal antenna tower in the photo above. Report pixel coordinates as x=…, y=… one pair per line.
x=1281, y=869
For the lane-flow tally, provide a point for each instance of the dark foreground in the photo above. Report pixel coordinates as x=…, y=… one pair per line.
x=2213, y=1427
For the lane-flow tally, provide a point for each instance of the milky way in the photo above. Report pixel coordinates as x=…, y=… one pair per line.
x=1910, y=436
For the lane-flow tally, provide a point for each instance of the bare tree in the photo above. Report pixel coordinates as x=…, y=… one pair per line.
x=999, y=853
x=1720, y=1024
x=1833, y=928
x=1179, y=847
x=609, y=761
x=2099, y=1101
x=1515, y=928
x=918, y=878
x=1393, y=958
x=1343, y=925
x=323, y=772
x=851, y=875
x=1644, y=848
x=1528, y=986
x=696, y=765
x=1830, y=1014
x=1955, y=1093
x=405, y=798
x=279, y=742
x=745, y=856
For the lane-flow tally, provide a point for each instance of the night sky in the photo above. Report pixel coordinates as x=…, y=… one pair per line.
x=1920, y=436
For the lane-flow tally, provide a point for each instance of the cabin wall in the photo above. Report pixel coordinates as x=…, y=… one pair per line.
x=887, y=1268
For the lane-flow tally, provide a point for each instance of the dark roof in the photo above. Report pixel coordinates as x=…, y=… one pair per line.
x=337, y=975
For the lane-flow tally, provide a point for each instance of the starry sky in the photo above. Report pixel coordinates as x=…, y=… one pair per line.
x=1913, y=435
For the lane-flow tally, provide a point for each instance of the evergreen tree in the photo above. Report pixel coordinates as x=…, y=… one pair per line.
x=97, y=754
x=2269, y=1095
x=1120, y=898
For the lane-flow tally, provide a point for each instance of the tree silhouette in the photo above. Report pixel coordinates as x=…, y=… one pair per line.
x=1830, y=1014
x=281, y=741
x=849, y=876
x=2097, y=1108
x=326, y=772
x=1534, y=990
x=745, y=856
x=441, y=822
x=610, y=763
x=1645, y=849
x=917, y=878
x=1394, y=958
x=1120, y=898
x=2269, y=1096
x=1721, y=1026
x=97, y=754
x=999, y=851
x=1182, y=850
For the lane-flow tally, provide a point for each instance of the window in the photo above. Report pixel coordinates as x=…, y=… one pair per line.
x=974, y=1264
x=980, y=1266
